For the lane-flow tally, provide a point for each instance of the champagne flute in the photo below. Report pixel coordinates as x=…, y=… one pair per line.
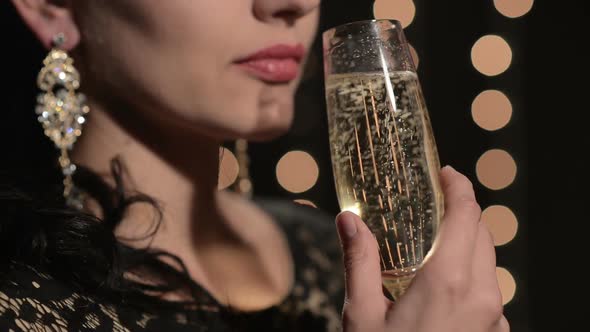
x=384, y=156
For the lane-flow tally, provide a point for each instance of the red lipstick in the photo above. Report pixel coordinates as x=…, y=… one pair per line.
x=276, y=64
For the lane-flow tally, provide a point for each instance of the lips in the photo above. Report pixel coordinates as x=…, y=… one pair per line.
x=276, y=64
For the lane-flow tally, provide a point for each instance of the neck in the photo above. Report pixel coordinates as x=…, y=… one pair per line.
x=179, y=169
x=230, y=247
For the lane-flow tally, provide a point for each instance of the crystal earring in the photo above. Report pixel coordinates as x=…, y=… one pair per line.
x=243, y=184
x=62, y=111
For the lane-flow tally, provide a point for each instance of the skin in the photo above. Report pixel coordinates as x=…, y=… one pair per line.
x=455, y=290
x=164, y=91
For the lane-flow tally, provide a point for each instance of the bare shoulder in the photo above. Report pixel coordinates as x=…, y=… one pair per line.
x=247, y=217
x=301, y=216
x=264, y=211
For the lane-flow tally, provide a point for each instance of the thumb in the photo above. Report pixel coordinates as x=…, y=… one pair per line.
x=364, y=290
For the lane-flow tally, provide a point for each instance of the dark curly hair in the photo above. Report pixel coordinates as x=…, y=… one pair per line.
x=36, y=226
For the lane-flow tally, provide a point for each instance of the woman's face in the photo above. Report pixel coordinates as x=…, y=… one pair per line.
x=227, y=68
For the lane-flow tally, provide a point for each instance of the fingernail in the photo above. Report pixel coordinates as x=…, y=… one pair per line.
x=449, y=167
x=347, y=226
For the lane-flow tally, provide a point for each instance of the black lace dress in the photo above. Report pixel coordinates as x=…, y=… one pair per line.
x=31, y=300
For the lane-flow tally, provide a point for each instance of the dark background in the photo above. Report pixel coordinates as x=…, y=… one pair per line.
x=548, y=135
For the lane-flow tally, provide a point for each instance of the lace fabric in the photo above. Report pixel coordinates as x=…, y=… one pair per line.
x=31, y=300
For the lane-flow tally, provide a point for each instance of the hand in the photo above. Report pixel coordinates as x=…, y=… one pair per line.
x=455, y=290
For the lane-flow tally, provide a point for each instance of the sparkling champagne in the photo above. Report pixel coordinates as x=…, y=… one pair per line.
x=386, y=165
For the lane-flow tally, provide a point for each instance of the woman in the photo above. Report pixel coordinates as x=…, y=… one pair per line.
x=166, y=82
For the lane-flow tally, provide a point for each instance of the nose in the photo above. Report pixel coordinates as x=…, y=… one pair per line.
x=286, y=11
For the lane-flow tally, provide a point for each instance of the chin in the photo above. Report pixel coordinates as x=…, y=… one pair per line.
x=273, y=121
x=267, y=134
x=268, y=130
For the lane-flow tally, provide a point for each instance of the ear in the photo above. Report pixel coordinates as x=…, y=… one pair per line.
x=48, y=18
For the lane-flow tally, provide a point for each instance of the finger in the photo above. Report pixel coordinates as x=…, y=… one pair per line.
x=458, y=230
x=484, y=260
x=501, y=326
x=484, y=277
x=361, y=264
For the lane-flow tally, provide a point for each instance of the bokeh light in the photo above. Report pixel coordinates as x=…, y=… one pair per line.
x=401, y=10
x=513, y=8
x=228, y=169
x=507, y=284
x=496, y=169
x=501, y=222
x=297, y=171
x=491, y=110
x=491, y=55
